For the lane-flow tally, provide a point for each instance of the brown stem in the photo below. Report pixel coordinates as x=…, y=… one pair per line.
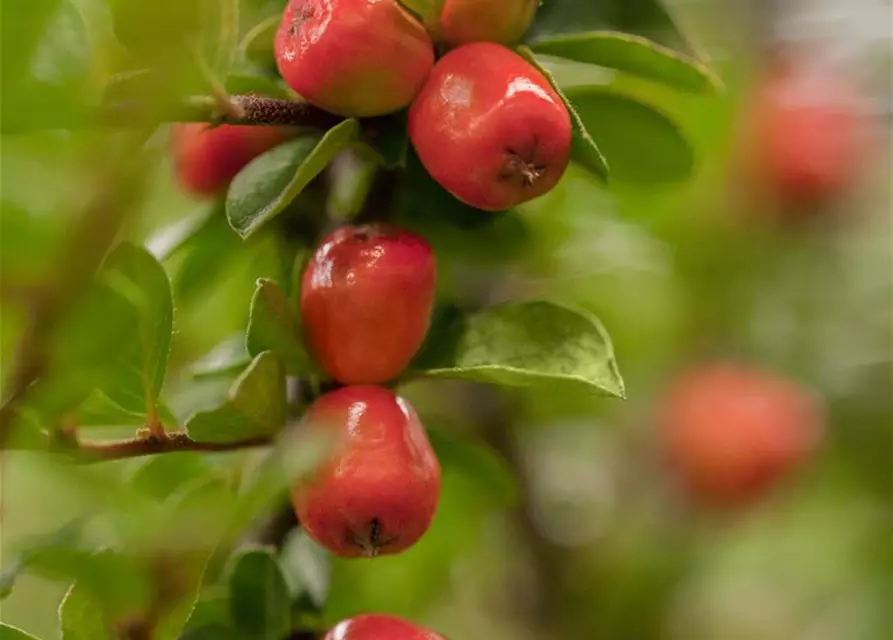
x=243, y=110
x=144, y=444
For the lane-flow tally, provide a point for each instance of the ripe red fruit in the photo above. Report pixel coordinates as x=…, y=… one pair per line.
x=379, y=627
x=353, y=57
x=366, y=301
x=207, y=158
x=802, y=140
x=489, y=128
x=503, y=21
x=732, y=432
x=379, y=491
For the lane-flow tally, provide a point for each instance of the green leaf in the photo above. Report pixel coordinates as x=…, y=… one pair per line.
x=245, y=77
x=8, y=632
x=161, y=476
x=306, y=567
x=631, y=54
x=649, y=18
x=584, y=149
x=476, y=460
x=642, y=144
x=524, y=343
x=45, y=87
x=274, y=326
x=81, y=618
x=141, y=362
x=270, y=182
x=388, y=137
x=257, y=44
x=260, y=603
x=227, y=36
x=256, y=405
x=211, y=608
x=66, y=537
x=227, y=358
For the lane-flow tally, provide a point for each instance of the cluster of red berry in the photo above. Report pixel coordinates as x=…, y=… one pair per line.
x=485, y=123
x=489, y=127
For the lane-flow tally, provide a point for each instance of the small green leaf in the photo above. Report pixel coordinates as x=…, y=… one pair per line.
x=256, y=405
x=227, y=358
x=260, y=602
x=270, y=182
x=524, y=343
x=227, y=36
x=257, y=44
x=274, y=326
x=245, y=77
x=8, y=632
x=478, y=461
x=306, y=567
x=81, y=618
x=642, y=144
x=631, y=54
x=584, y=149
x=141, y=363
x=168, y=240
x=211, y=609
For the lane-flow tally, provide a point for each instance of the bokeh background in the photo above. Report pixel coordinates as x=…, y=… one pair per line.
x=599, y=542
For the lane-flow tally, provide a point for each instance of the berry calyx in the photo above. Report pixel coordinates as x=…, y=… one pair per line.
x=379, y=491
x=501, y=21
x=378, y=626
x=489, y=128
x=207, y=158
x=366, y=301
x=731, y=432
x=357, y=58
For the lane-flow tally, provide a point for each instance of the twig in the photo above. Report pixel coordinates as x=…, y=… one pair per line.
x=144, y=444
x=243, y=110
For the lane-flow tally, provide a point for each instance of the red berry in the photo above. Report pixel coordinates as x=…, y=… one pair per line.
x=732, y=432
x=503, y=21
x=378, y=493
x=802, y=138
x=353, y=57
x=379, y=627
x=366, y=301
x=489, y=128
x=207, y=158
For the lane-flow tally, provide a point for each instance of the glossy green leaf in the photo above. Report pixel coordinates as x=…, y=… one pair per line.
x=8, y=632
x=649, y=18
x=140, y=363
x=260, y=603
x=525, y=343
x=270, y=182
x=631, y=54
x=478, y=461
x=274, y=325
x=584, y=150
x=81, y=618
x=227, y=358
x=255, y=408
x=642, y=144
